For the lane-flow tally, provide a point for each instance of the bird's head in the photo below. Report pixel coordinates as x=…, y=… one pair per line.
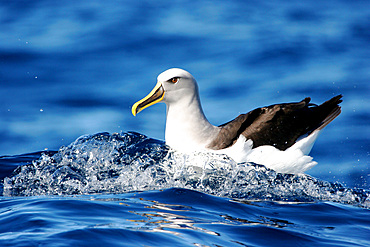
x=172, y=86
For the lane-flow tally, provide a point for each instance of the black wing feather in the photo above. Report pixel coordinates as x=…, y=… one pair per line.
x=278, y=125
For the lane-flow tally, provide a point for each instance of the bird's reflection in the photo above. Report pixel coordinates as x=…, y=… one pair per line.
x=174, y=218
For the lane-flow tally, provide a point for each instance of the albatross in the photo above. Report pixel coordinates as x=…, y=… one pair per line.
x=278, y=136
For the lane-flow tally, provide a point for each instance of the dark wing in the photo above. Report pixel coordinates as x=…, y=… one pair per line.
x=278, y=125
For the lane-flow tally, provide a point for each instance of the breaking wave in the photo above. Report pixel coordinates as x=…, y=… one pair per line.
x=129, y=161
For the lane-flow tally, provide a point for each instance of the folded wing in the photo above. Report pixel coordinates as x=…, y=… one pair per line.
x=278, y=125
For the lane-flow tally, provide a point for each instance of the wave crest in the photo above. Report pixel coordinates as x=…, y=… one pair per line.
x=118, y=163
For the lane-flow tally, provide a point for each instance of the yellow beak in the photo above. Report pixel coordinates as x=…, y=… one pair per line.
x=155, y=96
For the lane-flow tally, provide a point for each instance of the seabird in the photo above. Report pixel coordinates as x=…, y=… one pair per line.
x=278, y=136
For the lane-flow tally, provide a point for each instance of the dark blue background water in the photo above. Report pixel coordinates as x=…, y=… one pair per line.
x=76, y=67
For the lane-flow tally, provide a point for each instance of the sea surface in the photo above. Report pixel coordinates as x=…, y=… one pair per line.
x=77, y=169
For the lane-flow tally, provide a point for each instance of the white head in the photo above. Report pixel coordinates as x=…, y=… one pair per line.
x=173, y=85
x=187, y=129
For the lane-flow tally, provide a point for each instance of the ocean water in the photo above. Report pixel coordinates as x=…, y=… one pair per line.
x=77, y=169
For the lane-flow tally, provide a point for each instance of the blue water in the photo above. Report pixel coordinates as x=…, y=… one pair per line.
x=70, y=71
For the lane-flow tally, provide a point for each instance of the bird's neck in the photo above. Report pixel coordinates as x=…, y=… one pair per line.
x=187, y=128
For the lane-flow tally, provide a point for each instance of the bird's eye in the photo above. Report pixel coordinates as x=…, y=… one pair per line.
x=174, y=79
